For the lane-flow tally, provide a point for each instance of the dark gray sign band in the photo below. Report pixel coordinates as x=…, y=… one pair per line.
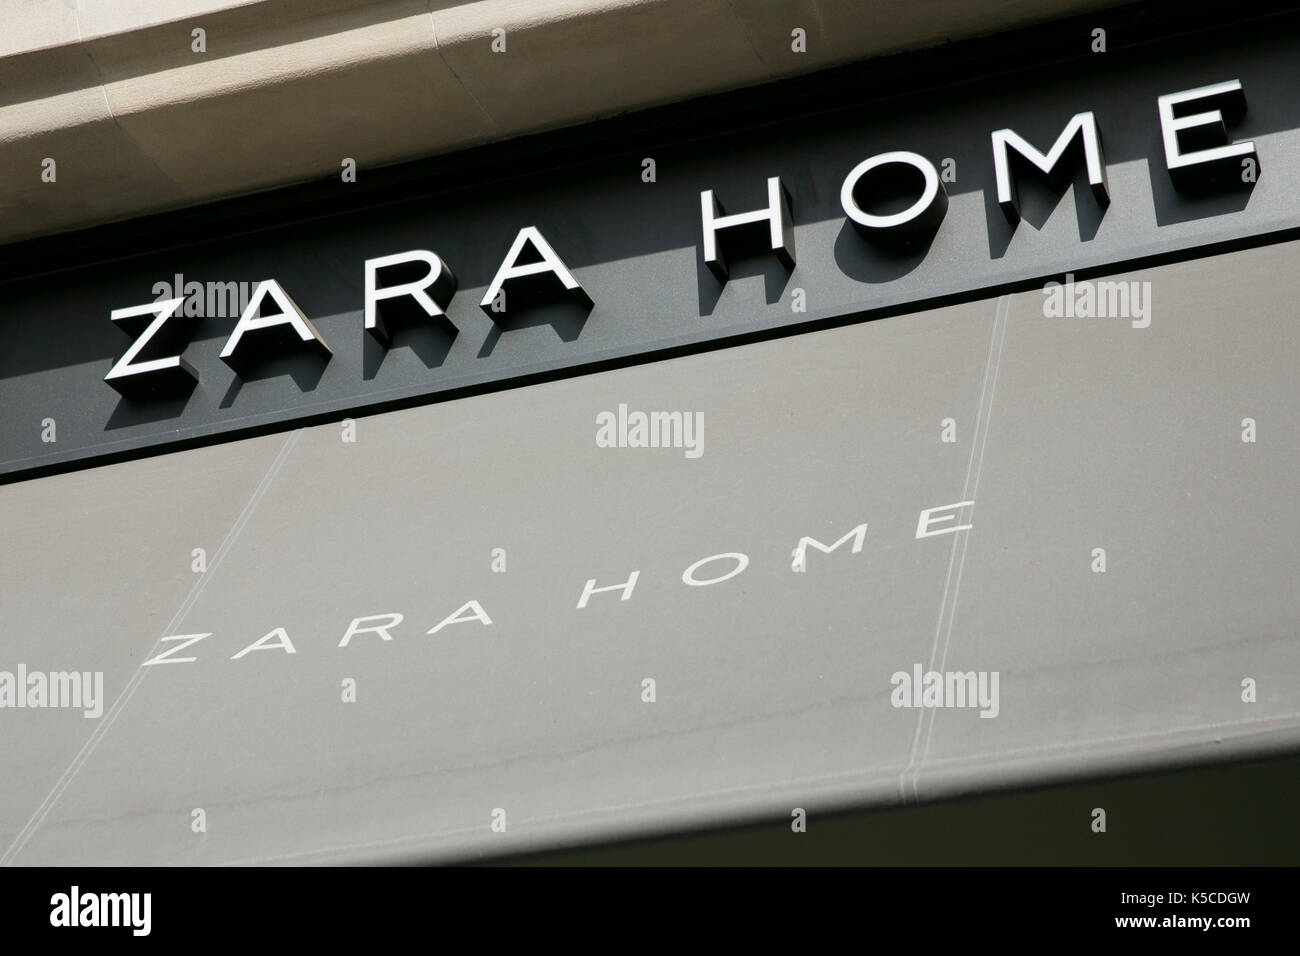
x=632, y=272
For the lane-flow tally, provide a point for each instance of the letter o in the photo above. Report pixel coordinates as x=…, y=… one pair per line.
x=742, y=562
x=919, y=220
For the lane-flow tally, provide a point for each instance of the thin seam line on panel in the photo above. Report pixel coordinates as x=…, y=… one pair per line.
x=744, y=32
x=1000, y=332
x=137, y=678
x=433, y=24
x=957, y=555
x=103, y=91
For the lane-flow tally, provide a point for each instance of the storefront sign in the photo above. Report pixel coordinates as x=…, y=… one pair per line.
x=794, y=226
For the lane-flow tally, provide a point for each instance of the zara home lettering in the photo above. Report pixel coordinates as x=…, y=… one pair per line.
x=1198, y=153
x=709, y=571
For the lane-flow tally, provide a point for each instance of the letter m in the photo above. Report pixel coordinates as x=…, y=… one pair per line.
x=1115, y=295
x=224, y=300
x=857, y=534
x=116, y=909
x=1081, y=128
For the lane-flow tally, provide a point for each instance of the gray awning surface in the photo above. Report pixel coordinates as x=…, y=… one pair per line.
x=773, y=688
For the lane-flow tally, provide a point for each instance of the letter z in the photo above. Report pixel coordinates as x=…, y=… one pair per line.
x=167, y=656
